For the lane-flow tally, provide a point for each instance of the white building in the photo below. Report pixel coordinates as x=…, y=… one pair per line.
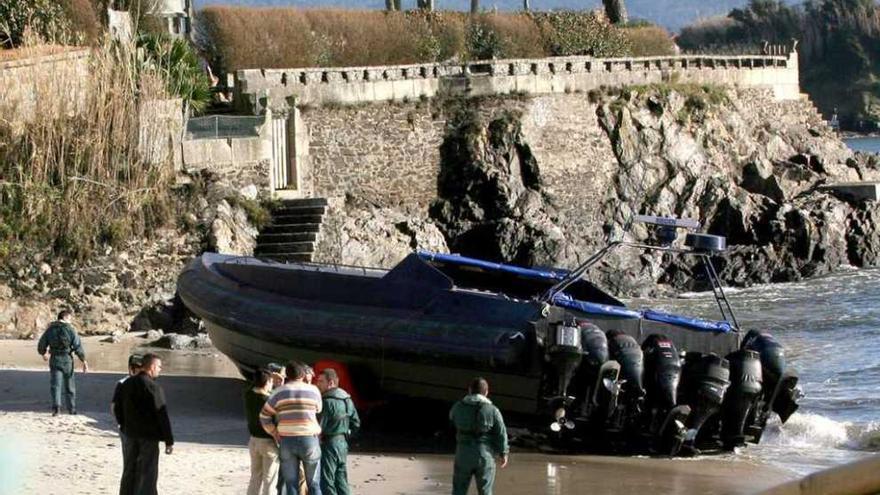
x=177, y=15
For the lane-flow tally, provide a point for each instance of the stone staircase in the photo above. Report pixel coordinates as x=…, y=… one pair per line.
x=293, y=232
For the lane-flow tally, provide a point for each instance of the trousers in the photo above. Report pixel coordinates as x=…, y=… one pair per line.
x=140, y=470
x=473, y=462
x=334, y=471
x=61, y=382
x=264, y=466
x=307, y=450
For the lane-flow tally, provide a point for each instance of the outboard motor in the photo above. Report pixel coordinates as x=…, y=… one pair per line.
x=665, y=420
x=780, y=390
x=706, y=378
x=662, y=371
x=597, y=378
x=626, y=351
x=742, y=397
x=564, y=352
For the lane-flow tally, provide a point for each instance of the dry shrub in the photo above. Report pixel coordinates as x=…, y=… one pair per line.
x=246, y=38
x=518, y=35
x=84, y=19
x=648, y=41
x=72, y=178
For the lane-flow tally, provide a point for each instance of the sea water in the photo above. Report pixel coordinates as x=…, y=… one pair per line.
x=867, y=144
x=830, y=327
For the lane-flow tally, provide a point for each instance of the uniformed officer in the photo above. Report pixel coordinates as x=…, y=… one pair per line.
x=338, y=420
x=61, y=341
x=480, y=437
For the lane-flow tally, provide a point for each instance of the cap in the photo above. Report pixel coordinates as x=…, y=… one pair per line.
x=135, y=360
x=274, y=368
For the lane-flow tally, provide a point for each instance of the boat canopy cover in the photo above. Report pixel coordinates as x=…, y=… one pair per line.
x=456, y=259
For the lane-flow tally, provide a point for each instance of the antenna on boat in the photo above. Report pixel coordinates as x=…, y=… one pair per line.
x=696, y=244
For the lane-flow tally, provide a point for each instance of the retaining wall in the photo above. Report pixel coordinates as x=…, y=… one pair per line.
x=19, y=79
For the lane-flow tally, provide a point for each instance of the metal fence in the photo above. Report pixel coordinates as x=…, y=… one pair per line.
x=223, y=126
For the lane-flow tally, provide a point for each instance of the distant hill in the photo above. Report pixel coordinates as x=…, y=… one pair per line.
x=672, y=14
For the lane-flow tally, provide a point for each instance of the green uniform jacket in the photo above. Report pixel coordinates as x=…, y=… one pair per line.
x=479, y=425
x=339, y=416
x=62, y=341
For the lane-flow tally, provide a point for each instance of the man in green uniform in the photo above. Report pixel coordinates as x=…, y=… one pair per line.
x=338, y=419
x=61, y=341
x=480, y=437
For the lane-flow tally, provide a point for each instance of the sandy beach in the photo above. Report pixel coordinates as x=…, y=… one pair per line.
x=41, y=454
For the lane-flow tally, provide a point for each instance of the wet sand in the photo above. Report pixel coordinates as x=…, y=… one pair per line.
x=211, y=455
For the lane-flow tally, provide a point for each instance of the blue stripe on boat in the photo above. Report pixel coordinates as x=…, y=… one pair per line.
x=695, y=323
x=566, y=301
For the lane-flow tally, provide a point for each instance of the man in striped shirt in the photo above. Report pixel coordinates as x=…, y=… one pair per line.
x=290, y=416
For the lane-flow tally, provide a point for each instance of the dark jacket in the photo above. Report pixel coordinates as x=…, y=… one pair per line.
x=61, y=340
x=141, y=411
x=253, y=404
x=339, y=416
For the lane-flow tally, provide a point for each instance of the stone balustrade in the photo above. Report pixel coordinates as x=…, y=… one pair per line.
x=351, y=85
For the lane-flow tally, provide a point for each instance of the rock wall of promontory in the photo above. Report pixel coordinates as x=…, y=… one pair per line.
x=547, y=179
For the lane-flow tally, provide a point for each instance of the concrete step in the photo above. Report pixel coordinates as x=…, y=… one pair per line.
x=285, y=248
x=299, y=210
x=304, y=202
x=296, y=219
x=285, y=237
x=291, y=228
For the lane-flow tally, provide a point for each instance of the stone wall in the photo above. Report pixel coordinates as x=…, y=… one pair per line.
x=236, y=160
x=389, y=154
x=497, y=77
x=20, y=80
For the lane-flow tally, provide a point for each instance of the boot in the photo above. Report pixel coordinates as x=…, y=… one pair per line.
x=55, y=410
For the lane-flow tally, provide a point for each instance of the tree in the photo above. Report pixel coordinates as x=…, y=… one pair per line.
x=616, y=11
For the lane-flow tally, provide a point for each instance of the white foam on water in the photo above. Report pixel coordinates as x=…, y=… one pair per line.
x=810, y=431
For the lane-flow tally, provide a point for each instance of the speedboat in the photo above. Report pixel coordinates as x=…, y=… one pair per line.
x=585, y=368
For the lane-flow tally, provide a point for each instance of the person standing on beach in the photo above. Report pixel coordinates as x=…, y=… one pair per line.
x=143, y=415
x=262, y=448
x=134, y=367
x=290, y=416
x=480, y=437
x=61, y=341
x=338, y=420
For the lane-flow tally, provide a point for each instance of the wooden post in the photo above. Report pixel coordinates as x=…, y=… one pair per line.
x=475, y=6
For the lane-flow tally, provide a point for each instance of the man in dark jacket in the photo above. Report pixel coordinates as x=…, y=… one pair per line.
x=61, y=341
x=143, y=417
x=338, y=419
x=480, y=437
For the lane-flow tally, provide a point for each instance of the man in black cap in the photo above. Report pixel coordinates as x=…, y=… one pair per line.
x=134, y=367
x=143, y=416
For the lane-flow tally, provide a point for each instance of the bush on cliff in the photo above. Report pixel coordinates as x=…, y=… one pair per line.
x=839, y=48
x=73, y=178
x=242, y=38
x=65, y=22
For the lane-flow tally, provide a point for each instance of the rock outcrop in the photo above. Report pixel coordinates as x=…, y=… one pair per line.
x=360, y=234
x=491, y=203
x=131, y=287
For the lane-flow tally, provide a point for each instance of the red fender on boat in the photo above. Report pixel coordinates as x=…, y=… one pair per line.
x=345, y=382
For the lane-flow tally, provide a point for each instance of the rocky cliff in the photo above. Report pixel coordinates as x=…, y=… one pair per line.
x=745, y=166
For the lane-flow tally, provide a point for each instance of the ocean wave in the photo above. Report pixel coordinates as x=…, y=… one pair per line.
x=808, y=430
